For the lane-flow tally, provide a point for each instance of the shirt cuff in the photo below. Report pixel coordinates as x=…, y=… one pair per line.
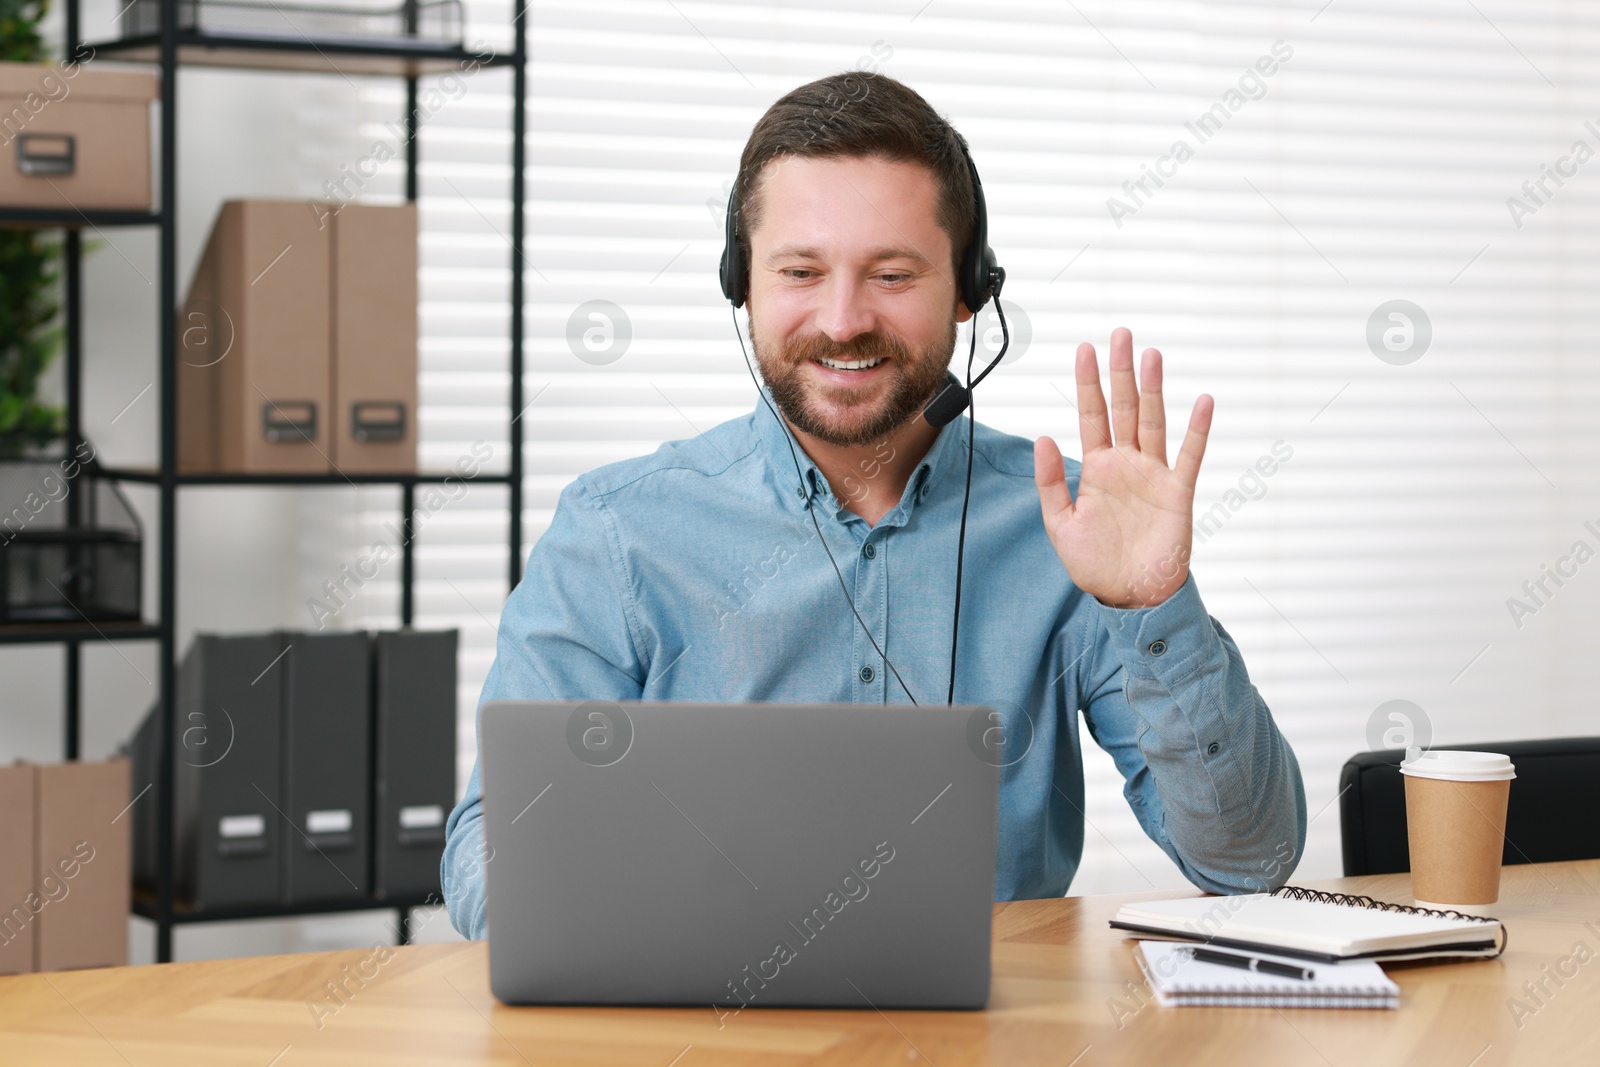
x=1166, y=642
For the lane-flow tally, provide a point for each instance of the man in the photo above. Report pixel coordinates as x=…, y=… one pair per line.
x=694, y=573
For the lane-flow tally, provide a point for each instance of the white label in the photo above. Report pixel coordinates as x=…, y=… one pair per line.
x=421, y=816
x=230, y=826
x=328, y=822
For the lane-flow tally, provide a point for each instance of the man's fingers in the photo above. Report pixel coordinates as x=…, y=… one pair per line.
x=1093, y=428
x=1124, y=390
x=1194, y=442
x=1152, y=413
x=1050, y=475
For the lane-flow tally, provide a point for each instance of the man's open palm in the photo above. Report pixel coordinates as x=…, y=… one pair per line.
x=1126, y=538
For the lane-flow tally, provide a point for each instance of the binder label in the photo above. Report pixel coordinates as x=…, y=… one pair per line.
x=329, y=822
x=421, y=816
x=231, y=826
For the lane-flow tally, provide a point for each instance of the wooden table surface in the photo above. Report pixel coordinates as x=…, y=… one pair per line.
x=1061, y=995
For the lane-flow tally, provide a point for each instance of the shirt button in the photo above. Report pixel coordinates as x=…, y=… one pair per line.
x=869, y=550
x=1213, y=748
x=866, y=674
x=800, y=491
x=1157, y=647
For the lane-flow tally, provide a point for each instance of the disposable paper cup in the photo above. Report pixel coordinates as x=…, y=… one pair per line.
x=1456, y=826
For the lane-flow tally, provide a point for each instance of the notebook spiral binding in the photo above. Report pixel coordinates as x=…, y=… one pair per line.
x=1350, y=900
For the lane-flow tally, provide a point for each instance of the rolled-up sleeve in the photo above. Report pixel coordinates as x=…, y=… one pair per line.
x=1206, y=770
x=568, y=632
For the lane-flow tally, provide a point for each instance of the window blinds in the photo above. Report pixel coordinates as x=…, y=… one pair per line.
x=1366, y=228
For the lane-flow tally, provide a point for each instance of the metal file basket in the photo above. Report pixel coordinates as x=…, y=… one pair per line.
x=437, y=21
x=70, y=546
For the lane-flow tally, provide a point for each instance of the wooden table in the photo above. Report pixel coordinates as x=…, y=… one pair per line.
x=1066, y=991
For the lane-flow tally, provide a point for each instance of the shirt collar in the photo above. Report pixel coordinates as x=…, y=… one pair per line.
x=775, y=441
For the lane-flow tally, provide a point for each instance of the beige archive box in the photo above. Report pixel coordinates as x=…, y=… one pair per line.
x=75, y=137
x=83, y=851
x=297, y=345
x=375, y=338
x=253, y=344
x=16, y=869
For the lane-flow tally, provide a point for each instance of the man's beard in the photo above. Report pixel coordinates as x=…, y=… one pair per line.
x=915, y=382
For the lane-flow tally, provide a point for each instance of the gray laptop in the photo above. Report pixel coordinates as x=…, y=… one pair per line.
x=754, y=855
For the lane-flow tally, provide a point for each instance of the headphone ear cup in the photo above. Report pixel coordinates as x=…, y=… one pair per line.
x=977, y=277
x=731, y=271
x=978, y=262
x=972, y=273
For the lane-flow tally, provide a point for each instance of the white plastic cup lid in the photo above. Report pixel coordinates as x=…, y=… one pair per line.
x=1460, y=766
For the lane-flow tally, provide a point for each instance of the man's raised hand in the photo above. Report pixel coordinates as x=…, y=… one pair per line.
x=1126, y=539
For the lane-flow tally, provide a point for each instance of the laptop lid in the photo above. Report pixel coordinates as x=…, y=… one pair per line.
x=739, y=855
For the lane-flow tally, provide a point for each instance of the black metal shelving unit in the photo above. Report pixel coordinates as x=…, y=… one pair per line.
x=410, y=58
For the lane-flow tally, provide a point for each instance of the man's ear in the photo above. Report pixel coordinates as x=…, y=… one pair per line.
x=963, y=313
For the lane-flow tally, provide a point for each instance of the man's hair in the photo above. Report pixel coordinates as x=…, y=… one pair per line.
x=860, y=114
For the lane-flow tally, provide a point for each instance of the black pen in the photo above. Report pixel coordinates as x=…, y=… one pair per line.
x=1250, y=963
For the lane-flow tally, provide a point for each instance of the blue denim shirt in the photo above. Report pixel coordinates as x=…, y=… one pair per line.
x=693, y=574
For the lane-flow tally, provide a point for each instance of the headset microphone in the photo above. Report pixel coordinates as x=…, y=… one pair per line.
x=954, y=398
x=981, y=278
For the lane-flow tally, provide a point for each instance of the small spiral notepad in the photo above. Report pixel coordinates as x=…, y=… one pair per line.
x=1179, y=980
x=1314, y=925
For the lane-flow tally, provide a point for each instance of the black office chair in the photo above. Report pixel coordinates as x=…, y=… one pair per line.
x=1553, y=814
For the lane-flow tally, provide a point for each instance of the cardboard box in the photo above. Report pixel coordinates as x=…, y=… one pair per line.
x=75, y=137
x=81, y=853
x=17, y=911
x=374, y=338
x=297, y=345
x=254, y=344
x=205, y=339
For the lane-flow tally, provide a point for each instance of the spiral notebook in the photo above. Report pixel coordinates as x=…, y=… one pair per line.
x=1179, y=980
x=1313, y=925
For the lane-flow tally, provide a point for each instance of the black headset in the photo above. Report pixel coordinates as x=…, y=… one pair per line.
x=980, y=278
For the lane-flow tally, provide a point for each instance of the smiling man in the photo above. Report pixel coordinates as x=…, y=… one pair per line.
x=695, y=573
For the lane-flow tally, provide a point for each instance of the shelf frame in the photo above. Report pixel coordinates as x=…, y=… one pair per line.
x=354, y=479
x=72, y=220
x=172, y=49
x=71, y=634
x=390, y=57
x=146, y=907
